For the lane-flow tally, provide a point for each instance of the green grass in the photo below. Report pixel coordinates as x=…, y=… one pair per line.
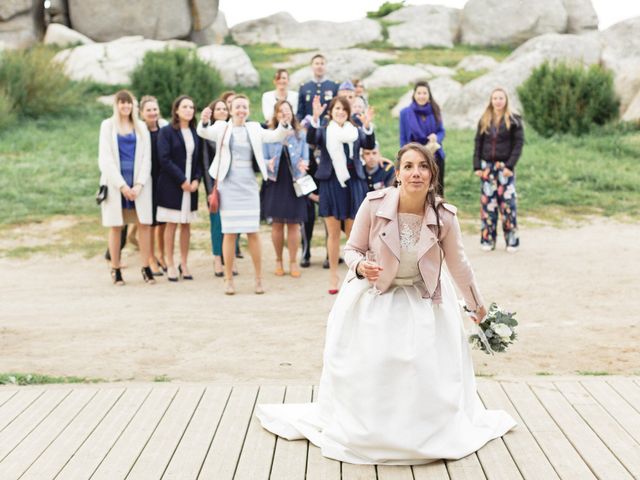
x=38, y=379
x=589, y=373
x=463, y=76
x=446, y=57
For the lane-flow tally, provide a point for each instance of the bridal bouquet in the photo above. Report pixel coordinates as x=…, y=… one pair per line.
x=496, y=332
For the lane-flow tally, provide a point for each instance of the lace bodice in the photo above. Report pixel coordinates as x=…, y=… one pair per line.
x=409, y=226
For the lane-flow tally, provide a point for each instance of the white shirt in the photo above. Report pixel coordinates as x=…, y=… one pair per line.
x=269, y=102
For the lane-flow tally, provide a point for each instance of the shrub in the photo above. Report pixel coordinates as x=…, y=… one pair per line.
x=559, y=98
x=36, y=85
x=385, y=9
x=7, y=115
x=170, y=73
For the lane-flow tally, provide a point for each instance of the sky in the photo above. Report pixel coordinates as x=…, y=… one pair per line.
x=236, y=11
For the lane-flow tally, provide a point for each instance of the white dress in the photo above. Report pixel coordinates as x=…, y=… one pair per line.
x=184, y=215
x=397, y=384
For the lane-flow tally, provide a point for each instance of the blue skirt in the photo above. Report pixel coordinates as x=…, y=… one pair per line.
x=338, y=202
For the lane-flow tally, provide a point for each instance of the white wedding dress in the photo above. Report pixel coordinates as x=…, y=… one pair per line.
x=397, y=384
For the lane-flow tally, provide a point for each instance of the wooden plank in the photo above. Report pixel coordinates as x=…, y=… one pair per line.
x=628, y=389
x=290, y=456
x=128, y=447
x=87, y=458
x=257, y=452
x=23, y=456
x=192, y=450
x=158, y=451
x=595, y=454
x=318, y=466
x=67, y=443
x=358, y=472
x=558, y=450
x=616, y=405
x=466, y=468
x=526, y=453
x=16, y=431
x=431, y=471
x=394, y=472
x=17, y=404
x=615, y=438
x=5, y=395
x=224, y=451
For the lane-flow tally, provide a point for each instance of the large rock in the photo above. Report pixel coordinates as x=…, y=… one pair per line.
x=203, y=13
x=632, y=113
x=233, y=63
x=464, y=109
x=11, y=8
x=111, y=63
x=396, y=75
x=284, y=30
x=621, y=54
x=442, y=89
x=214, y=34
x=582, y=17
x=510, y=22
x=58, y=12
x=341, y=64
x=476, y=63
x=18, y=32
x=436, y=70
x=424, y=26
x=58, y=34
x=153, y=19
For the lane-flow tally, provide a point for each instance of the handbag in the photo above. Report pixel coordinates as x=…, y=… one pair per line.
x=303, y=185
x=101, y=194
x=214, y=197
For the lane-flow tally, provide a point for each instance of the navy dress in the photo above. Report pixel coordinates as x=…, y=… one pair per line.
x=279, y=201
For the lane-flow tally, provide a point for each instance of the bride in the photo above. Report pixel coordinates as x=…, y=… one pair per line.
x=397, y=384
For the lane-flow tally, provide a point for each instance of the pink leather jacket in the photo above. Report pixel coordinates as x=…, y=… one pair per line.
x=376, y=228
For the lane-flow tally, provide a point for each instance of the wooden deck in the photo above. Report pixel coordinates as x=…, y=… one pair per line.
x=569, y=428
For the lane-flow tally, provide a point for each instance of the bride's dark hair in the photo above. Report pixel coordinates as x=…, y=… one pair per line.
x=433, y=199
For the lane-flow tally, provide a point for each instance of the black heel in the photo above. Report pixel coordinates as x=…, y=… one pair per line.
x=116, y=276
x=147, y=275
x=182, y=276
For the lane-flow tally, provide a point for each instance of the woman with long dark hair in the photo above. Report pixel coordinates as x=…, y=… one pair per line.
x=180, y=172
x=421, y=122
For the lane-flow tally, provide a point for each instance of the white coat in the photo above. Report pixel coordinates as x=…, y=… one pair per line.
x=257, y=136
x=109, y=163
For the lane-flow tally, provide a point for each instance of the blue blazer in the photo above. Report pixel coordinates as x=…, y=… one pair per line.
x=317, y=136
x=406, y=135
x=325, y=90
x=172, y=154
x=298, y=152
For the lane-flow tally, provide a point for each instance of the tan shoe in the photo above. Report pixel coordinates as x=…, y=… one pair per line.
x=229, y=289
x=259, y=290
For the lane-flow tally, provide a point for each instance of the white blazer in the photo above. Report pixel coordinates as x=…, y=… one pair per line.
x=257, y=136
x=269, y=102
x=109, y=163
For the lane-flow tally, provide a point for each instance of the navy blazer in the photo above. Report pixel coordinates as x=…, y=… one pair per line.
x=317, y=136
x=326, y=90
x=172, y=153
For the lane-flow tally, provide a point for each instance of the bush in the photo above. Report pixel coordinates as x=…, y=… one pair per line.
x=385, y=9
x=560, y=98
x=7, y=115
x=36, y=85
x=170, y=73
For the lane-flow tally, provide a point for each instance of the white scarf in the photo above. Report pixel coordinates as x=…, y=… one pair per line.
x=336, y=136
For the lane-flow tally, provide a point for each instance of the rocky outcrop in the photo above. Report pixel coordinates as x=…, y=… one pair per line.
x=464, y=109
x=396, y=75
x=233, y=63
x=58, y=34
x=476, y=63
x=214, y=34
x=284, y=30
x=505, y=22
x=19, y=31
x=11, y=8
x=153, y=19
x=632, y=113
x=341, y=64
x=581, y=16
x=424, y=26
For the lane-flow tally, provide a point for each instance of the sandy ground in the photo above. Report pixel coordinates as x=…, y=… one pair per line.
x=576, y=292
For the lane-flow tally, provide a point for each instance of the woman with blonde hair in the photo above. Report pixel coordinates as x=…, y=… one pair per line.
x=125, y=166
x=150, y=114
x=287, y=161
x=498, y=146
x=238, y=157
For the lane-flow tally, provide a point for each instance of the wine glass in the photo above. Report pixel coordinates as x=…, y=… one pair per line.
x=372, y=258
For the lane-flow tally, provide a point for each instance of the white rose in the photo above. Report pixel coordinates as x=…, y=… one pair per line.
x=502, y=330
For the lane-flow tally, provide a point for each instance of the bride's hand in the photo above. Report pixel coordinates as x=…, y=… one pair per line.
x=480, y=313
x=369, y=270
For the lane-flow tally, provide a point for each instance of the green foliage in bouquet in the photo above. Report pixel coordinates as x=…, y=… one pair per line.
x=499, y=329
x=385, y=9
x=173, y=72
x=561, y=98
